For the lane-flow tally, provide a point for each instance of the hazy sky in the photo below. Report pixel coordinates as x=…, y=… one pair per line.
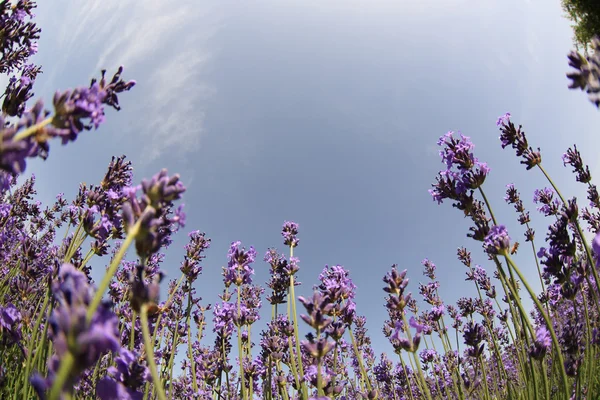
x=324, y=113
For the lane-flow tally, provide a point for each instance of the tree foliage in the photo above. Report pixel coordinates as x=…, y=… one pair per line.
x=585, y=15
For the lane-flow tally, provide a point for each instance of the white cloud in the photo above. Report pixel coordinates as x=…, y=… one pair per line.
x=164, y=43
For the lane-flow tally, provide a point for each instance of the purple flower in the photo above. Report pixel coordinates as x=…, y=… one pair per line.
x=596, y=247
x=289, y=233
x=239, y=271
x=19, y=37
x=153, y=209
x=497, y=241
x=83, y=108
x=191, y=267
x=10, y=322
x=474, y=334
x=587, y=72
x=69, y=329
x=503, y=120
x=515, y=137
x=573, y=158
x=542, y=343
x=403, y=343
x=128, y=379
x=429, y=269
x=18, y=91
x=317, y=308
x=549, y=204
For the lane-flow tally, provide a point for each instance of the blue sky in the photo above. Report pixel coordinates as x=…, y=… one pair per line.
x=324, y=113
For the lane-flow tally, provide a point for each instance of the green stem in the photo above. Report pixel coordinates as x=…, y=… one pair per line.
x=150, y=353
x=25, y=133
x=189, y=340
x=114, y=265
x=64, y=372
x=365, y=380
x=556, y=345
x=240, y=350
x=296, y=333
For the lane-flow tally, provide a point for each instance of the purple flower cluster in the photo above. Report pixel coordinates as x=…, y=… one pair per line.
x=152, y=212
x=587, y=72
x=515, y=137
x=464, y=172
x=59, y=339
x=239, y=270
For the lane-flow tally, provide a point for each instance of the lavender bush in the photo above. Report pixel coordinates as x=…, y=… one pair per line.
x=62, y=336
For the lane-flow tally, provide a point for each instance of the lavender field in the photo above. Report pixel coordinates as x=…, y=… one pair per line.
x=91, y=307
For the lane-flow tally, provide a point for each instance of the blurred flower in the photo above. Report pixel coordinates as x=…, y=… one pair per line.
x=587, y=72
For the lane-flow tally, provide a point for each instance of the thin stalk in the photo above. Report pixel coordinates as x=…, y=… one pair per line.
x=239, y=329
x=132, y=332
x=417, y=363
x=555, y=342
x=189, y=340
x=410, y=389
x=150, y=353
x=485, y=383
x=64, y=371
x=364, y=378
x=25, y=133
x=304, y=395
x=588, y=251
x=114, y=265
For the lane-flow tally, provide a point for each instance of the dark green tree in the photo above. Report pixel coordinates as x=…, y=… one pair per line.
x=585, y=15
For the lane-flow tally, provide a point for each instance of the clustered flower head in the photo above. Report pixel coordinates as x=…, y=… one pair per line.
x=239, y=271
x=19, y=91
x=404, y=343
x=18, y=34
x=549, y=205
x=127, y=378
x=513, y=197
x=587, y=72
x=542, y=343
x=497, y=241
x=58, y=335
x=290, y=234
x=515, y=137
x=70, y=331
x=464, y=172
x=573, y=158
x=74, y=111
x=152, y=212
x=195, y=249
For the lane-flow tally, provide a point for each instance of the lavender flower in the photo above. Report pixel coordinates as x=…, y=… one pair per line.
x=474, y=334
x=516, y=138
x=404, y=343
x=152, y=211
x=70, y=332
x=549, y=204
x=239, y=271
x=19, y=91
x=10, y=323
x=191, y=267
x=587, y=72
x=289, y=233
x=18, y=38
x=128, y=378
x=73, y=107
x=497, y=241
x=573, y=158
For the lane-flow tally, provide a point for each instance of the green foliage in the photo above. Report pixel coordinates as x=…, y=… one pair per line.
x=586, y=17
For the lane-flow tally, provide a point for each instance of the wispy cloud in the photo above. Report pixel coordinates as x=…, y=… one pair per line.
x=165, y=44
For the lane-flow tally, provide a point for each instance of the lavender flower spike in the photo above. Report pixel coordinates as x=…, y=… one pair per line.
x=497, y=241
x=289, y=233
